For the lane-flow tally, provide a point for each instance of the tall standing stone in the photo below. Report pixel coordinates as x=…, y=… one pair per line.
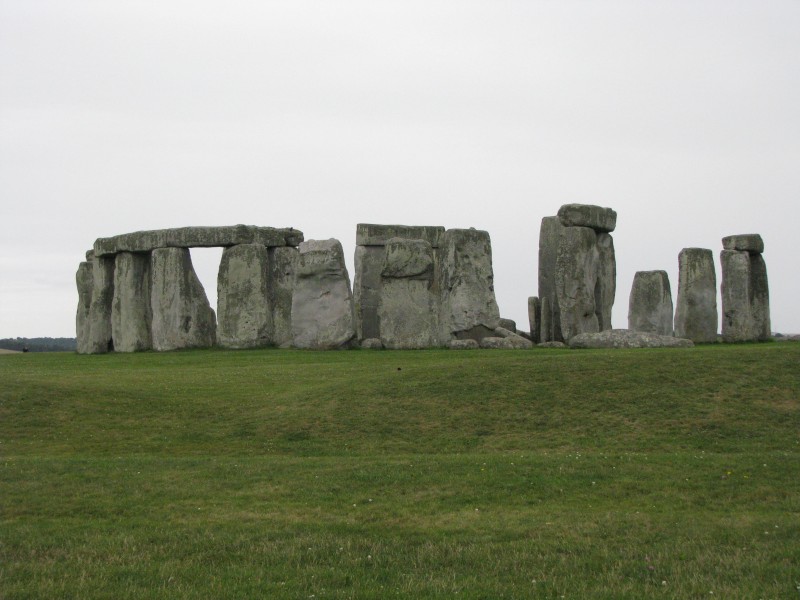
x=131, y=313
x=100, y=335
x=650, y=304
x=606, y=287
x=549, y=239
x=243, y=311
x=84, y=281
x=535, y=318
x=282, y=263
x=745, y=290
x=322, y=303
x=468, y=306
x=407, y=308
x=182, y=316
x=576, y=279
x=696, y=309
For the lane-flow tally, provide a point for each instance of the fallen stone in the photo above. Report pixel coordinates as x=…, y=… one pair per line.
x=745, y=297
x=84, y=282
x=650, y=303
x=588, y=215
x=243, y=311
x=182, y=316
x=322, y=303
x=624, y=338
x=463, y=345
x=496, y=343
x=696, y=309
x=372, y=344
x=509, y=324
x=101, y=338
x=747, y=242
x=534, y=318
x=516, y=341
x=131, y=313
x=551, y=345
x=576, y=279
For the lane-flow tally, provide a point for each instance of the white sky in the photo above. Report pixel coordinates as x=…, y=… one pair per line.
x=127, y=115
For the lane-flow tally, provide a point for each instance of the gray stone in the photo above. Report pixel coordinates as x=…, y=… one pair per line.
x=131, y=313
x=696, y=308
x=280, y=288
x=509, y=324
x=746, y=242
x=182, y=316
x=368, y=234
x=407, y=308
x=322, y=303
x=745, y=297
x=551, y=345
x=467, y=283
x=84, y=281
x=243, y=311
x=100, y=336
x=650, y=304
x=200, y=237
x=534, y=318
x=624, y=338
x=463, y=345
x=372, y=344
x=549, y=239
x=517, y=341
x=606, y=286
x=576, y=279
x=588, y=215
x=496, y=343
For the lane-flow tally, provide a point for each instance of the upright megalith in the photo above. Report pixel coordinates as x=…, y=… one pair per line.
x=282, y=262
x=182, y=316
x=745, y=290
x=100, y=337
x=696, y=309
x=468, y=306
x=650, y=303
x=84, y=282
x=243, y=311
x=535, y=318
x=322, y=303
x=577, y=271
x=131, y=314
x=407, y=306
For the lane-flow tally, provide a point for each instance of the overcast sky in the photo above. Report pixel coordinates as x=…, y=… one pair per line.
x=117, y=116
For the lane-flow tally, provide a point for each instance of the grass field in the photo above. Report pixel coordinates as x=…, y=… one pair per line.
x=417, y=474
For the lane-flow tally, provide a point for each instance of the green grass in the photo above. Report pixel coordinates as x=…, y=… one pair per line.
x=419, y=474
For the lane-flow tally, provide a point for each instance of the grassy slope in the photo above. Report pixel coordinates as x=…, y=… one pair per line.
x=595, y=474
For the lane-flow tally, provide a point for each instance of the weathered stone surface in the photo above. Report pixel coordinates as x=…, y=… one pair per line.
x=368, y=234
x=745, y=297
x=534, y=318
x=372, y=344
x=467, y=283
x=624, y=338
x=322, y=303
x=84, y=281
x=513, y=338
x=696, y=308
x=588, y=215
x=182, y=316
x=407, y=307
x=650, y=304
x=280, y=287
x=200, y=237
x=551, y=345
x=463, y=345
x=576, y=280
x=496, y=343
x=100, y=336
x=509, y=324
x=131, y=314
x=244, y=316
x=549, y=239
x=606, y=286
x=747, y=242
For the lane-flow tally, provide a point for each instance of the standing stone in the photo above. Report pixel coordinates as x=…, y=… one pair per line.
x=549, y=238
x=182, y=316
x=83, y=279
x=696, y=309
x=468, y=305
x=534, y=318
x=407, y=308
x=243, y=311
x=131, y=315
x=322, y=303
x=576, y=279
x=745, y=291
x=606, y=287
x=100, y=335
x=650, y=304
x=282, y=261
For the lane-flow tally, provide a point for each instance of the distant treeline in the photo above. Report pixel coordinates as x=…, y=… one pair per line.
x=43, y=344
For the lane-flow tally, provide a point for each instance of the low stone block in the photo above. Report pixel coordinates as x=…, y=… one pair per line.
x=463, y=345
x=372, y=344
x=551, y=345
x=588, y=215
x=650, y=305
x=624, y=338
x=496, y=343
x=516, y=340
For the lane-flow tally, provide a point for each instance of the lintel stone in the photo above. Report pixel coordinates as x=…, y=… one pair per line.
x=602, y=220
x=368, y=234
x=747, y=242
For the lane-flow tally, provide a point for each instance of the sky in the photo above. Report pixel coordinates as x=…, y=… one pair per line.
x=682, y=116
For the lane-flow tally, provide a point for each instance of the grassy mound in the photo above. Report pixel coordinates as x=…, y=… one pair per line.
x=424, y=474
